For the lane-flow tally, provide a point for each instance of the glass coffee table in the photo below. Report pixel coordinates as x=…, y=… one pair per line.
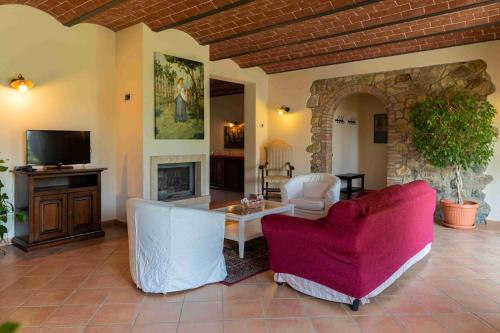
x=243, y=224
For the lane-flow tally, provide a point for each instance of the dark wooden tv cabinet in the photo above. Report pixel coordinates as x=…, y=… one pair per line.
x=61, y=205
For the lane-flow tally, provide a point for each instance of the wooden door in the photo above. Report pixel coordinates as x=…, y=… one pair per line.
x=50, y=217
x=82, y=212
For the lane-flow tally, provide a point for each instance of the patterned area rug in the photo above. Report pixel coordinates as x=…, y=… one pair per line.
x=255, y=260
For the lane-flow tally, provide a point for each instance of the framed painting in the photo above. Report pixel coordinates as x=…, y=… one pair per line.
x=234, y=137
x=380, y=128
x=179, y=98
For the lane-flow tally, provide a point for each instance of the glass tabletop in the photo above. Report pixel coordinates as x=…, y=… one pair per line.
x=240, y=209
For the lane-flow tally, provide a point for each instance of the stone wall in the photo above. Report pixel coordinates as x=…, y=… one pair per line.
x=398, y=91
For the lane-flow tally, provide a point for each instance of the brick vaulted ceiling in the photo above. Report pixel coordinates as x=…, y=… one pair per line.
x=286, y=35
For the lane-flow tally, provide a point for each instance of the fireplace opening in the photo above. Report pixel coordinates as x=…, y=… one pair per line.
x=176, y=181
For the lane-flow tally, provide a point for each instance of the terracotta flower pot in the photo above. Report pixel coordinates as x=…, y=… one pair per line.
x=459, y=216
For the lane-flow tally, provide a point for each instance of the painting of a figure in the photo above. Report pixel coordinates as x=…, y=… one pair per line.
x=179, y=102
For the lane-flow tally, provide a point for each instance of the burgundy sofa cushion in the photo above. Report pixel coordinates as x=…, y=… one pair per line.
x=359, y=244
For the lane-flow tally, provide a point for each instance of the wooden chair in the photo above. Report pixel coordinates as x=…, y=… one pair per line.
x=277, y=168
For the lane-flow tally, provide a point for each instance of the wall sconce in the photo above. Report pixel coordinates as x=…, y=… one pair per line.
x=283, y=109
x=21, y=84
x=233, y=123
x=340, y=120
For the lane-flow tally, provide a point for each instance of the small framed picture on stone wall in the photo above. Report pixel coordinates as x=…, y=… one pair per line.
x=380, y=128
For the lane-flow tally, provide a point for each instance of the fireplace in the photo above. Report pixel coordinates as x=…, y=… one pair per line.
x=181, y=179
x=176, y=181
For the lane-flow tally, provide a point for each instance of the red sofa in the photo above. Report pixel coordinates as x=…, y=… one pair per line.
x=360, y=248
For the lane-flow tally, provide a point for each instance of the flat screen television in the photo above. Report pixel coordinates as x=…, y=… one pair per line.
x=57, y=147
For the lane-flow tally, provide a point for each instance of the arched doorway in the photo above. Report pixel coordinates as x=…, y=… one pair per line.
x=355, y=146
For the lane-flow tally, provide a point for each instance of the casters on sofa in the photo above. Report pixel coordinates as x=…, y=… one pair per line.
x=280, y=283
x=355, y=305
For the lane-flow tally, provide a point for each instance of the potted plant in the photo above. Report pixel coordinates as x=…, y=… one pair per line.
x=455, y=130
x=6, y=206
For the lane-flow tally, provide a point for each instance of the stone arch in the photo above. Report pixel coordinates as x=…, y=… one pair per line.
x=399, y=90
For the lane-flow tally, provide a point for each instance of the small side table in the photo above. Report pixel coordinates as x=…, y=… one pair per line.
x=348, y=177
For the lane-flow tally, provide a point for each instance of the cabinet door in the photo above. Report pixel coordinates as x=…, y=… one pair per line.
x=50, y=217
x=82, y=212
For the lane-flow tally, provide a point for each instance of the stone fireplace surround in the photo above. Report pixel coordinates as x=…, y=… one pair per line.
x=201, y=197
x=399, y=90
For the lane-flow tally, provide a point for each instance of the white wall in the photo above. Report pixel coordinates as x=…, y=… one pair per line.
x=292, y=89
x=345, y=145
x=224, y=109
x=353, y=148
x=179, y=44
x=74, y=73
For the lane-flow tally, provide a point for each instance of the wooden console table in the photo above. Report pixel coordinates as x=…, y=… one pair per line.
x=61, y=205
x=349, y=189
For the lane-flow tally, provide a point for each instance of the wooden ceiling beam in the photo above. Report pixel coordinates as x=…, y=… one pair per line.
x=479, y=27
x=383, y=25
x=94, y=12
x=293, y=21
x=263, y=63
x=203, y=15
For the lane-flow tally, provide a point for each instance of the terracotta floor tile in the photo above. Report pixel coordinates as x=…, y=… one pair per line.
x=400, y=304
x=211, y=292
x=241, y=309
x=13, y=297
x=159, y=313
x=370, y=309
x=106, y=281
x=284, y=308
x=245, y=326
x=462, y=323
x=30, y=283
x=108, y=329
x=125, y=295
x=265, y=277
x=31, y=316
x=438, y=304
x=88, y=296
x=61, y=329
x=240, y=291
x=334, y=325
x=378, y=324
x=290, y=325
x=65, y=282
x=421, y=324
x=116, y=314
x=160, y=298
x=476, y=303
x=155, y=328
x=48, y=297
x=47, y=270
x=318, y=307
x=269, y=291
x=205, y=327
x=202, y=311
x=72, y=315
x=78, y=269
x=491, y=318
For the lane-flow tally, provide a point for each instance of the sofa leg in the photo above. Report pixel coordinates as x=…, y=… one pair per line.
x=280, y=283
x=355, y=305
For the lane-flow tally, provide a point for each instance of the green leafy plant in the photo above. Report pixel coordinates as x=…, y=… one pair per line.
x=6, y=206
x=454, y=130
x=9, y=327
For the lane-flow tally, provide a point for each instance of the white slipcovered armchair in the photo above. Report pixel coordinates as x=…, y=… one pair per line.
x=312, y=194
x=173, y=248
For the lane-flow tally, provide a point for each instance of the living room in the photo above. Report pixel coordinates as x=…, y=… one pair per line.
x=91, y=66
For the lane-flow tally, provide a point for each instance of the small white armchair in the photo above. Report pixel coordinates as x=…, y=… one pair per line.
x=312, y=194
x=173, y=248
